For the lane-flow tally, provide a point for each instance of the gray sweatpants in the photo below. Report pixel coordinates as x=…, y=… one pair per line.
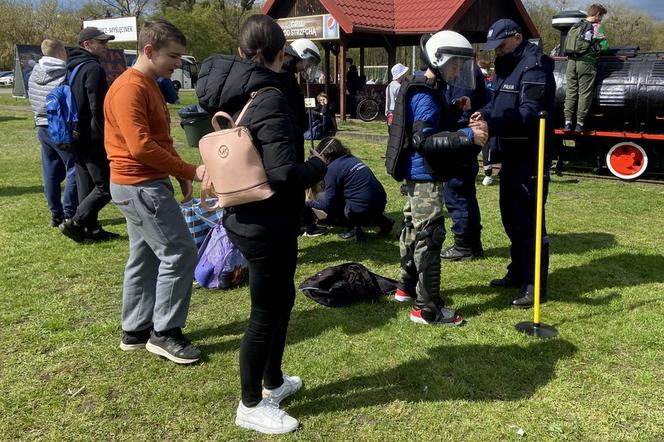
x=162, y=257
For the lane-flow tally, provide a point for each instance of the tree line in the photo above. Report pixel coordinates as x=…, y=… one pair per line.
x=211, y=26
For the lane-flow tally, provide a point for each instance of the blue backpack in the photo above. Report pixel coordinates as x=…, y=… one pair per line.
x=62, y=114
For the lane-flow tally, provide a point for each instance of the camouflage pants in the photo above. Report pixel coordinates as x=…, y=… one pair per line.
x=421, y=240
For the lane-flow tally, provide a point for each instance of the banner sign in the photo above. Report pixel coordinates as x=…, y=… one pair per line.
x=27, y=56
x=313, y=27
x=123, y=28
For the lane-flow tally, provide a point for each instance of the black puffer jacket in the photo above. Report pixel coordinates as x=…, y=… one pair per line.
x=89, y=88
x=294, y=95
x=225, y=83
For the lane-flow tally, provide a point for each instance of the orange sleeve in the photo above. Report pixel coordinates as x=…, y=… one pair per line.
x=130, y=108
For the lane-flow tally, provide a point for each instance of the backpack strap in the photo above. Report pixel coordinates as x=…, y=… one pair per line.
x=253, y=96
x=75, y=71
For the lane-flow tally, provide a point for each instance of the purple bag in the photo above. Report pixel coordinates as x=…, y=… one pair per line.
x=220, y=264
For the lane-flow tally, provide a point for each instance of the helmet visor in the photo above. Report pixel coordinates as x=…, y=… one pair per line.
x=459, y=72
x=310, y=69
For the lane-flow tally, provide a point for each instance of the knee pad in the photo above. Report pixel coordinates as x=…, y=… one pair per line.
x=436, y=237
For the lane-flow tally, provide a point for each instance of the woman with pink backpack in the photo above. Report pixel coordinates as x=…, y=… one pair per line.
x=265, y=231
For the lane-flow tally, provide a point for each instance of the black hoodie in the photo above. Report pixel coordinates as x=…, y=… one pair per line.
x=89, y=88
x=225, y=83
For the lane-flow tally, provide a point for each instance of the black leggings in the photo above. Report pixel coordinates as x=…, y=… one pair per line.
x=271, y=271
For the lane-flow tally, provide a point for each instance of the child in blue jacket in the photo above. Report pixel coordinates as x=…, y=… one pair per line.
x=352, y=197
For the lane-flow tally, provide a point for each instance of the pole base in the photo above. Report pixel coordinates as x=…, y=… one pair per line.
x=541, y=331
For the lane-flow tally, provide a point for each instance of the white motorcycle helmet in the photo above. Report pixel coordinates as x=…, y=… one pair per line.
x=310, y=55
x=452, y=55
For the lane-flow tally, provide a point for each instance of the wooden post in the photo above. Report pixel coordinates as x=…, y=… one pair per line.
x=326, y=68
x=361, y=60
x=391, y=58
x=343, y=43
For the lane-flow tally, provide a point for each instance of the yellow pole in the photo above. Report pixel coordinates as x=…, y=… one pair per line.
x=538, y=221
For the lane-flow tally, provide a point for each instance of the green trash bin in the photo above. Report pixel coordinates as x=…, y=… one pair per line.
x=196, y=123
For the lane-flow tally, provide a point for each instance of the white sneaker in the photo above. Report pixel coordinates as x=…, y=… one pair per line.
x=266, y=417
x=487, y=181
x=291, y=385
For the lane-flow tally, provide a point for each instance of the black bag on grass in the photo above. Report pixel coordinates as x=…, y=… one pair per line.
x=346, y=284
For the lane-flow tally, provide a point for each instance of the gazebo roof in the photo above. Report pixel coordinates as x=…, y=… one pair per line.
x=402, y=16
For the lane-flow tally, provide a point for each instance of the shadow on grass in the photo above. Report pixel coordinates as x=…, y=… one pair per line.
x=307, y=324
x=622, y=270
x=450, y=372
x=11, y=118
x=574, y=284
x=565, y=180
x=578, y=243
x=18, y=191
x=572, y=243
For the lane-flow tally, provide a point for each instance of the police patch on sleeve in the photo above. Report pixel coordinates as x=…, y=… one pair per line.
x=532, y=91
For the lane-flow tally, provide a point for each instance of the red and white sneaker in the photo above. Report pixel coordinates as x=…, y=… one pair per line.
x=403, y=296
x=426, y=316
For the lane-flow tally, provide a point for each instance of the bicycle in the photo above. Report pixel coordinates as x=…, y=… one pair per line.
x=369, y=107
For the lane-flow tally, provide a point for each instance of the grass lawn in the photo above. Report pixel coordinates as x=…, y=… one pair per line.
x=370, y=374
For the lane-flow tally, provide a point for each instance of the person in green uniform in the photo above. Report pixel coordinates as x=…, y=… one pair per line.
x=582, y=70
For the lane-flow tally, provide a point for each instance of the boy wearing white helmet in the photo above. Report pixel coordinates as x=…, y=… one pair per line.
x=309, y=56
x=422, y=149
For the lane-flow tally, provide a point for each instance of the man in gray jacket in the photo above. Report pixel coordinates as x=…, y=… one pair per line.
x=57, y=165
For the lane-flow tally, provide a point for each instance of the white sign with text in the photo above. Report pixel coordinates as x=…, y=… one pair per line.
x=123, y=28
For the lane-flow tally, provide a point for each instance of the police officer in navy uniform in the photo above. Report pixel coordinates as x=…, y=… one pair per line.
x=459, y=191
x=524, y=86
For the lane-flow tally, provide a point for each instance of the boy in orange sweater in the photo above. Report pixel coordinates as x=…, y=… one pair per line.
x=162, y=255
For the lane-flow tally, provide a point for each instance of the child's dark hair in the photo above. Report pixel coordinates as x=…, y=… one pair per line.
x=261, y=39
x=331, y=148
x=159, y=33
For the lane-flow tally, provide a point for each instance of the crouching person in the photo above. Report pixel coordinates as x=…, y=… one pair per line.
x=352, y=197
x=162, y=255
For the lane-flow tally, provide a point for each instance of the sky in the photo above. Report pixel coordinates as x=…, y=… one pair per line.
x=652, y=7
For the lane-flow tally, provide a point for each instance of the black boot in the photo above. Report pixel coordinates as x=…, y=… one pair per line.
x=477, y=249
x=462, y=250
x=353, y=234
x=385, y=225
x=526, y=298
x=505, y=281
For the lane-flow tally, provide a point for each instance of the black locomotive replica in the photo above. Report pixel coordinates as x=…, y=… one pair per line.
x=625, y=125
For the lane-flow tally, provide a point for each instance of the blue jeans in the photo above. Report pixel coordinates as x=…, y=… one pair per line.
x=58, y=165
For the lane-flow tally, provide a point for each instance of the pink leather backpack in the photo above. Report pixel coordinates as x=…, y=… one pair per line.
x=234, y=169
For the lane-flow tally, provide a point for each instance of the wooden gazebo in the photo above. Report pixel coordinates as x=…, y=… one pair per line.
x=342, y=24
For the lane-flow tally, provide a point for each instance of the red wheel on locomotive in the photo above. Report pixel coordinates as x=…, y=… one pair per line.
x=627, y=160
